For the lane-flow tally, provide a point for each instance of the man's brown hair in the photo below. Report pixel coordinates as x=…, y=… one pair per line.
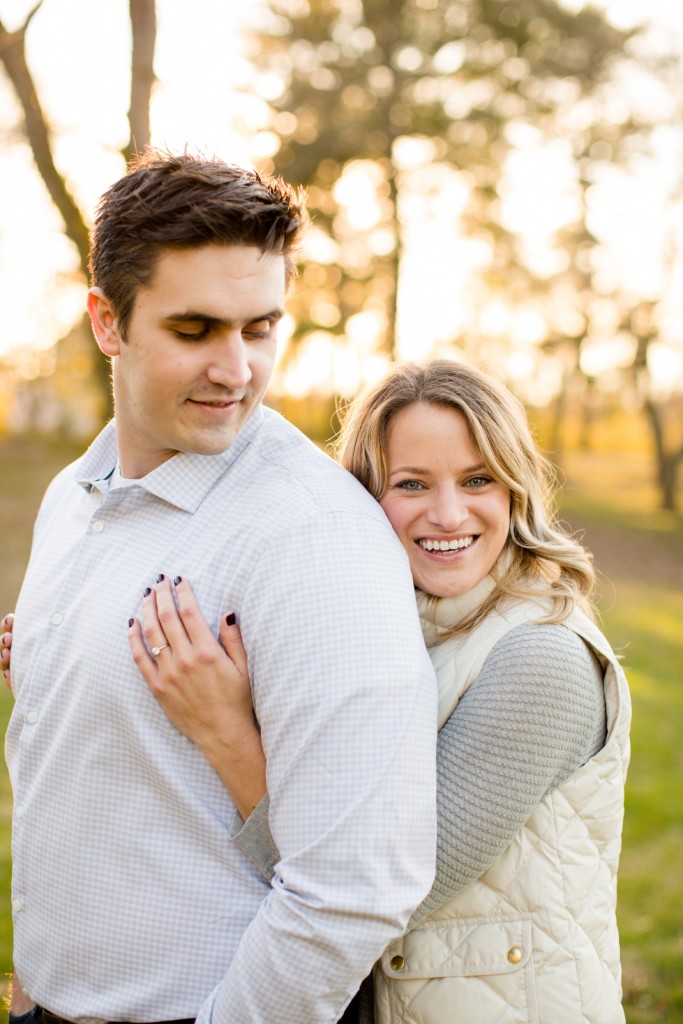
x=181, y=201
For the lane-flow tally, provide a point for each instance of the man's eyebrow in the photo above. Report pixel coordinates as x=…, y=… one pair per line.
x=195, y=316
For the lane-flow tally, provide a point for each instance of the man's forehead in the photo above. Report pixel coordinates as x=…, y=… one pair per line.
x=210, y=280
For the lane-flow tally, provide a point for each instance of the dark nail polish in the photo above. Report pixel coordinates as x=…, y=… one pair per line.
x=147, y=591
x=231, y=619
x=160, y=578
x=177, y=580
x=130, y=622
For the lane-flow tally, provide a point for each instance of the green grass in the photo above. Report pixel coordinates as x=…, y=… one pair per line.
x=648, y=619
x=639, y=553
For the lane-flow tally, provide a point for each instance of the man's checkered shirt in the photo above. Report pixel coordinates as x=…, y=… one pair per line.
x=130, y=900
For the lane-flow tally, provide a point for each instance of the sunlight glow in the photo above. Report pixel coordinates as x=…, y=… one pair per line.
x=601, y=356
x=209, y=96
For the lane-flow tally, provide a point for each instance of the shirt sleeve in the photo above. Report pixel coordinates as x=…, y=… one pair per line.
x=535, y=713
x=346, y=700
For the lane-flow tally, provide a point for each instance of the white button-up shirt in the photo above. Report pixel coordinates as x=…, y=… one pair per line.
x=130, y=901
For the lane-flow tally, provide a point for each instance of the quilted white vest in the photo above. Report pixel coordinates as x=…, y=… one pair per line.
x=534, y=940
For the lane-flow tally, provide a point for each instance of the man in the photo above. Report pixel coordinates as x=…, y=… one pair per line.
x=130, y=901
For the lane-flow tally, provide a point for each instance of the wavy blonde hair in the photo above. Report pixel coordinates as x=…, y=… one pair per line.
x=540, y=558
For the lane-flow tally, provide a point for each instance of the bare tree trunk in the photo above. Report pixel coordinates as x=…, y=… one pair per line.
x=144, y=28
x=13, y=56
x=556, y=439
x=394, y=263
x=667, y=462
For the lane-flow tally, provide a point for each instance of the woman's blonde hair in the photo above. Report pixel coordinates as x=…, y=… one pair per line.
x=539, y=554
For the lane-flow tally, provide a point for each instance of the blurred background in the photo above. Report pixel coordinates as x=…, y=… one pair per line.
x=495, y=181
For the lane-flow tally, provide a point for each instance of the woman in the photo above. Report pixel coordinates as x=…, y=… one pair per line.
x=534, y=711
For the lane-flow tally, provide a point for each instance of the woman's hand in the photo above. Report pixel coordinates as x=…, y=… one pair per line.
x=7, y=625
x=202, y=685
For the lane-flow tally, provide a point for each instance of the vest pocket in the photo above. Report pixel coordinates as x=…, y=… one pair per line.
x=459, y=969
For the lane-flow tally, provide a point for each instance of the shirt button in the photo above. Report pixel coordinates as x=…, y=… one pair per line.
x=98, y=526
x=514, y=955
x=57, y=619
x=17, y=906
x=18, y=812
x=32, y=717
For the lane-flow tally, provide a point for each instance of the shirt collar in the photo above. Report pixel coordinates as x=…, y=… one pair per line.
x=183, y=481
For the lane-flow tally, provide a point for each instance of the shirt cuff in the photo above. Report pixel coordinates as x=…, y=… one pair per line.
x=254, y=839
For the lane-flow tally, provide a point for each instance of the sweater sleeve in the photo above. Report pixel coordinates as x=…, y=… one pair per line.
x=254, y=838
x=535, y=713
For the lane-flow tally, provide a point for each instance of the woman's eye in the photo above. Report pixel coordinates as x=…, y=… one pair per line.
x=409, y=485
x=478, y=481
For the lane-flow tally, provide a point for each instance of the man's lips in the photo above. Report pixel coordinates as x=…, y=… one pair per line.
x=217, y=403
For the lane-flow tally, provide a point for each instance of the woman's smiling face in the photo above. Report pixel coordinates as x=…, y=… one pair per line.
x=451, y=515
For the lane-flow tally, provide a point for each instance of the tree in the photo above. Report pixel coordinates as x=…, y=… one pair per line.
x=359, y=83
x=474, y=84
x=37, y=130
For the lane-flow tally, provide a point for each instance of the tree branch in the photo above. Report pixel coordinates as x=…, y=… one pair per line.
x=144, y=27
x=13, y=56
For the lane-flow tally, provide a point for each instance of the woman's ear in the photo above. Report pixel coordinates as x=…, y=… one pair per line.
x=103, y=322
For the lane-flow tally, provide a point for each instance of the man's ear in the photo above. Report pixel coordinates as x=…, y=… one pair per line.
x=103, y=322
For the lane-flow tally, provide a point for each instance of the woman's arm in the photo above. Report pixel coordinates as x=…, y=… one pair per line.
x=202, y=685
x=535, y=714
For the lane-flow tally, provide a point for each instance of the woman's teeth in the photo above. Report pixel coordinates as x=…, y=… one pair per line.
x=446, y=545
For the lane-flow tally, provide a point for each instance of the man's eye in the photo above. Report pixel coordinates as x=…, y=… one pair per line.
x=195, y=334
x=259, y=329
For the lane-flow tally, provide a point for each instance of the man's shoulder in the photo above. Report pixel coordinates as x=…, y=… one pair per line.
x=306, y=471
x=68, y=483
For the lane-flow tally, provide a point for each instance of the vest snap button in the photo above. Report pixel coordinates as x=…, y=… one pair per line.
x=514, y=955
x=397, y=963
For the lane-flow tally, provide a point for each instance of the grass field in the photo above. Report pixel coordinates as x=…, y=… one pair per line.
x=639, y=553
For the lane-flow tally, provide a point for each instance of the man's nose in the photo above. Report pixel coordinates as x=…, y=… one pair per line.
x=229, y=363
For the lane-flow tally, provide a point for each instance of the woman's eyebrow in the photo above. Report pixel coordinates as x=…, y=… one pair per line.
x=422, y=469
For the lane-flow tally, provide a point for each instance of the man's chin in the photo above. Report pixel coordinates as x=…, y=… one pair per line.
x=216, y=444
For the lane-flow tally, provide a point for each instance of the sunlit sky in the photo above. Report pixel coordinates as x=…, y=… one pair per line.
x=79, y=51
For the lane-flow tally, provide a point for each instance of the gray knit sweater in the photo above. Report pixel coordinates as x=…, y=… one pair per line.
x=535, y=714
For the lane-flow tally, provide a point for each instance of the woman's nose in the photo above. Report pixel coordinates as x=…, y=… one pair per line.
x=449, y=510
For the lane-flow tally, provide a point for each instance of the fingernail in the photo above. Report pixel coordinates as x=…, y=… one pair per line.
x=231, y=619
x=177, y=580
x=130, y=622
x=147, y=591
x=160, y=578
